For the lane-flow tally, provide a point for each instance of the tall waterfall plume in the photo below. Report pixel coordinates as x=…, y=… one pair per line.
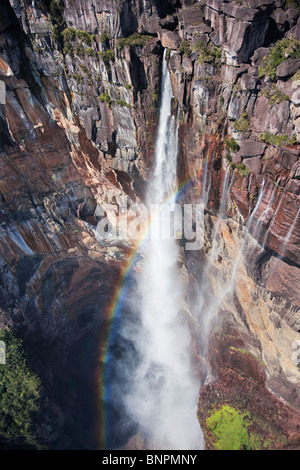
x=163, y=393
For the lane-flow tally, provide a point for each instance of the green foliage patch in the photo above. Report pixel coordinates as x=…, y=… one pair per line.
x=277, y=140
x=133, y=40
x=230, y=429
x=242, y=124
x=232, y=145
x=58, y=24
x=105, y=98
x=275, y=96
x=107, y=56
x=20, y=401
x=282, y=50
x=208, y=54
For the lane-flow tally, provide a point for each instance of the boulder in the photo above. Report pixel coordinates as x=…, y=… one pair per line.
x=247, y=82
x=294, y=32
x=254, y=164
x=279, y=16
x=292, y=15
x=251, y=148
x=259, y=55
x=237, y=11
x=201, y=37
x=259, y=3
x=169, y=39
x=288, y=68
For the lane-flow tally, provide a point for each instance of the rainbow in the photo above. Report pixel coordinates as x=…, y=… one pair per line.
x=113, y=316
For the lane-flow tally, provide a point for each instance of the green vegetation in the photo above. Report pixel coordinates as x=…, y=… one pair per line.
x=134, y=40
x=282, y=50
x=208, y=54
x=19, y=393
x=105, y=97
x=242, y=124
x=84, y=68
x=58, y=24
x=245, y=351
x=296, y=77
x=79, y=50
x=107, y=56
x=155, y=98
x=241, y=168
x=277, y=140
x=90, y=52
x=70, y=35
x=185, y=48
x=78, y=78
x=104, y=37
x=275, y=96
x=85, y=37
x=230, y=430
x=232, y=145
x=123, y=103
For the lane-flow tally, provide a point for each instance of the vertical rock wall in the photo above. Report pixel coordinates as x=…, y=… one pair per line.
x=77, y=132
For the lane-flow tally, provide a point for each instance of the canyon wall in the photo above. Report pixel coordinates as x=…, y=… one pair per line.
x=77, y=133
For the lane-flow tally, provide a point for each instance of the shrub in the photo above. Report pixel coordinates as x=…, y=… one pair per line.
x=85, y=37
x=79, y=50
x=232, y=145
x=104, y=97
x=185, y=48
x=208, y=54
x=20, y=399
x=123, y=103
x=90, y=52
x=104, y=37
x=275, y=96
x=279, y=53
x=69, y=34
x=55, y=8
x=277, y=140
x=107, y=56
x=134, y=40
x=242, y=124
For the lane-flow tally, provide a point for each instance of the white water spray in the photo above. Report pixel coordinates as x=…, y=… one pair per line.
x=164, y=391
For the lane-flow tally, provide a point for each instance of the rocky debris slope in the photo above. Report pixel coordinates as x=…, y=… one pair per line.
x=77, y=133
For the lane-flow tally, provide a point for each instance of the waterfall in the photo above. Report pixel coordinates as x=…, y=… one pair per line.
x=286, y=240
x=163, y=392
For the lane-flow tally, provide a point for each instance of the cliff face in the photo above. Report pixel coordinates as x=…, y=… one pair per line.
x=77, y=133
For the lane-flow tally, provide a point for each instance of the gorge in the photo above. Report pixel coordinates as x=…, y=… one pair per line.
x=145, y=344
